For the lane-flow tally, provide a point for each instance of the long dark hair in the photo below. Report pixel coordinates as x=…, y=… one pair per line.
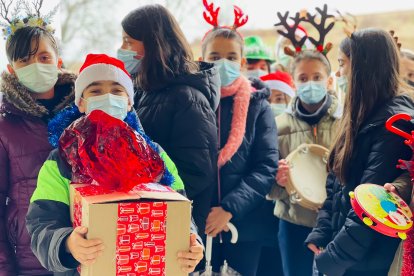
x=374, y=80
x=167, y=52
x=19, y=45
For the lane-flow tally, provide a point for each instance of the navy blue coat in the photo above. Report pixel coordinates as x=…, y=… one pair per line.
x=351, y=247
x=249, y=175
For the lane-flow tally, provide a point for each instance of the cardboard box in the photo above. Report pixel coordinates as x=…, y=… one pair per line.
x=142, y=230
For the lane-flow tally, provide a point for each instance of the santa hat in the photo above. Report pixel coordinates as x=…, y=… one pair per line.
x=281, y=81
x=100, y=67
x=300, y=32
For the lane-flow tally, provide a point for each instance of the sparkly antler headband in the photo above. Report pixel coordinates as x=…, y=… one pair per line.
x=211, y=17
x=33, y=17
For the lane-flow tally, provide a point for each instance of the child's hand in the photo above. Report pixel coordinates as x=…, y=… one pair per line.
x=217, y=221
x=83, y=250
x=282, y=173
x=314, y=248
x=190, y=259
x=390, y=188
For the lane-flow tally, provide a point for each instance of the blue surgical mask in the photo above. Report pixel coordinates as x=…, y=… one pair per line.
x=130, y=60
x=116, y=106
x=256, y=73
x=277, y=108
x=342, y=82
x=311, y=92
x=229, y=71
x=38, y=77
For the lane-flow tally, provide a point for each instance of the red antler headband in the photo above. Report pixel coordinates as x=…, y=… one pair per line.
x=211, y=17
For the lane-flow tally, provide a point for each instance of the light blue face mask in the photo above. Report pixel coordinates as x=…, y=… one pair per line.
x=256, y=73
x=277, y=108
x=311, y=92
x=229, y=71
x=38, y=77
x=342, y=82
x=129, y=59
x=116, y=106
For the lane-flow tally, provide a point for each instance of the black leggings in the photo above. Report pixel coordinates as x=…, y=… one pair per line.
x=243, y=256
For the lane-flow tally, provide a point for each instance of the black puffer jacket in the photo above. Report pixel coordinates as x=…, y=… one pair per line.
x=248, y=177
x=352, y=248
x=180, y=116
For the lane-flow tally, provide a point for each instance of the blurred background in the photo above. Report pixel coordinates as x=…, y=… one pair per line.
x=93, y=26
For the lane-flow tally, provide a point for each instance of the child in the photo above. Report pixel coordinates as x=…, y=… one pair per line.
x=104, y=84
x=281, y=85
x=32, y=91
x=175, y=99
x=363, y=152
x=310, y=118
x=407, y=66
x=258, y=57
x=248, y=154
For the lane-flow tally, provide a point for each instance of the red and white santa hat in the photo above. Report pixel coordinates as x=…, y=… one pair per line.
x=100, y=67
x=281, y=81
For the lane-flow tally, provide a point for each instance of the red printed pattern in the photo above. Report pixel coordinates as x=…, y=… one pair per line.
x=141, y=236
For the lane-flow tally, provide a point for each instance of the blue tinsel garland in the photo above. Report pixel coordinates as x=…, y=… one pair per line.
x=63, y=119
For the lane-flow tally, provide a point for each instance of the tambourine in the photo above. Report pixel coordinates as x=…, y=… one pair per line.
x=381, y=210
x=307, y=176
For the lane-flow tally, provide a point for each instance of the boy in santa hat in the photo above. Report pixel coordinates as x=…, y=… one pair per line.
x=103, y=84
x=281, y=85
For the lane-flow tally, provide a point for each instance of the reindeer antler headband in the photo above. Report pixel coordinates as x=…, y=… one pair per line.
x=211, y=16
x=318, y=22
x=33, y=17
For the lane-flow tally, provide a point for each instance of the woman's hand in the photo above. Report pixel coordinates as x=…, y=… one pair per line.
x=282, y=173
x=189, y=259
x=217, y=221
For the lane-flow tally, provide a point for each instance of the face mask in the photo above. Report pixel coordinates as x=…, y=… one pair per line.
x=277, y=108
x=229, y=71
x=342, y=82
x=129, y=59
x=311, y=92
x=284, y=59
x=38, y=77
x=116, y=106
x=256, y=73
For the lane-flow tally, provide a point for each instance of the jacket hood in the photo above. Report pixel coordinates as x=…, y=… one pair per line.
x=335, y=110
x=18, y=100
x=262, y=91
x=206, y=80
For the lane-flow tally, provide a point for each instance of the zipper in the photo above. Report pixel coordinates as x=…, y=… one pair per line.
x=315, y=134
x=218, y=169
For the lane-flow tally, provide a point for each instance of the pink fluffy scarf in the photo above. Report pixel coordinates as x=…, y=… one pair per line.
x=240, y=90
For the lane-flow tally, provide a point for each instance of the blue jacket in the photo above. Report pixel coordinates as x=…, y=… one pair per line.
x=248, y=177
x=351, y=247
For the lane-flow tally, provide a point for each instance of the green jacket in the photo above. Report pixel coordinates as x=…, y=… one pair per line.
x=292, y=132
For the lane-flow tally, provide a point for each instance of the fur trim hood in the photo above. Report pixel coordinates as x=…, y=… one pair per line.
x=17, y=98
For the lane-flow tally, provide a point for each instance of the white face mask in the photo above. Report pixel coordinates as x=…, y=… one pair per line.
x=256, y=73
x=38, y=77
x=116, y=106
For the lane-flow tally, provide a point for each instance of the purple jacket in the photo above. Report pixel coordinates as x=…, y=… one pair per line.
x=24, y=147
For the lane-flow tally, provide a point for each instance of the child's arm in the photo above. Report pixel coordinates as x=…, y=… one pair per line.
x=7, y=256
x=48, y=219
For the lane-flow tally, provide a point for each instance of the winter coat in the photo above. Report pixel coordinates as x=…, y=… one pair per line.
x=48, y=218
x=180, y=116
x=292, y=132
x=351, y=247
x=248, y=176
x=24, y=147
